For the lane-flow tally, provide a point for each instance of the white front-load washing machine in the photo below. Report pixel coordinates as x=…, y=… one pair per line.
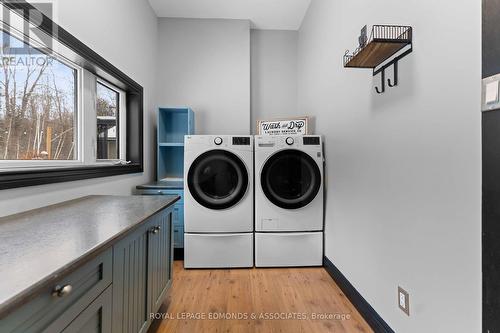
x=289, y=201
x=218, y=201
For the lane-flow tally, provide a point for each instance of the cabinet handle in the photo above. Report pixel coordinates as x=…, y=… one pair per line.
x=155, y=229
x=61, y=291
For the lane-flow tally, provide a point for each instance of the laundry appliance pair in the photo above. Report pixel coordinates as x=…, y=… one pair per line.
x=253, y=200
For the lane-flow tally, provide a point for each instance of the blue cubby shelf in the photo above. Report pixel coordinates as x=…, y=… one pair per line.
x=173, y=125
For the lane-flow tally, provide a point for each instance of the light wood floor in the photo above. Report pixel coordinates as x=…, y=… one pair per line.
x=258, y=292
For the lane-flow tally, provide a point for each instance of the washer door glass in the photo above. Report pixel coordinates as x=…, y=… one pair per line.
x=290, y=179
x=217, y=179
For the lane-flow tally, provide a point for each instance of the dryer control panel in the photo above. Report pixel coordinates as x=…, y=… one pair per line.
x=306, y=141
x=311, y=140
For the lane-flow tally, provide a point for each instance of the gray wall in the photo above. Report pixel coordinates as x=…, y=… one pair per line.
x=205, y=64
x=404, y=168
x=273, y=74
x=129, y=41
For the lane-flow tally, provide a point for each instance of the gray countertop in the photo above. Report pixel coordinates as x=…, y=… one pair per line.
x=38, y=246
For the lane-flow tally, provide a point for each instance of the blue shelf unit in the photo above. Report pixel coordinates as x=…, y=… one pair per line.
x=173, y=125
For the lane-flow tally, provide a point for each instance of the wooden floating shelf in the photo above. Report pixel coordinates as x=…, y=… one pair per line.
x=374, y=54
x=385, y=41
x=381, y=51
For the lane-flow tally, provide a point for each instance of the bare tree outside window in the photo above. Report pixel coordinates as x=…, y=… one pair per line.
x=37, y=106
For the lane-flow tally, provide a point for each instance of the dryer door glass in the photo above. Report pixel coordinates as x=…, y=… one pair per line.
x=217, y=179
x=290, y=179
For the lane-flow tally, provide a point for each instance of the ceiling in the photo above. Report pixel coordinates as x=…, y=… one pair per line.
x=263, y=14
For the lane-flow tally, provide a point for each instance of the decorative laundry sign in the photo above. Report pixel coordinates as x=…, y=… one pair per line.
x=290, y=126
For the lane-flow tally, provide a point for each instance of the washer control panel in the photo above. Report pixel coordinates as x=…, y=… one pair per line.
x=240, y=142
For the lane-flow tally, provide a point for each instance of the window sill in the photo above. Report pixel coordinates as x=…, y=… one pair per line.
x=22, y=178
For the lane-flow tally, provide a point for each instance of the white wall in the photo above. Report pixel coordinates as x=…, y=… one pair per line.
x=273, y=74
x=124, y=32
x=205, y=64
x=404, y=168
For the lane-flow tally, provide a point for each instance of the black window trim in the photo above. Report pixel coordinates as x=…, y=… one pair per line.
x=99, y=66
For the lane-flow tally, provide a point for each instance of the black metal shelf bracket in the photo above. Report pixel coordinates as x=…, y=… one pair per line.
x=395, y=76
x=393, y=62
x=382, y=89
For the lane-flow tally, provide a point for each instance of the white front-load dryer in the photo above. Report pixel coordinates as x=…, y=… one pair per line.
x=289, y=201
x=218, y=201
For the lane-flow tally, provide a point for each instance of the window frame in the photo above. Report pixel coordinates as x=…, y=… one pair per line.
x=121, y=123
x=95, y=65
x=7, y=165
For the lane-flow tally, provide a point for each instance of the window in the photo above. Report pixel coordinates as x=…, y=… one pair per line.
x=38, y=106
x=65, y=112
x=39, y=112
x=109, y=117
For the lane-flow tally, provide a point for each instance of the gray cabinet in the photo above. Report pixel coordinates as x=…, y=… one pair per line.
x=130, y=274
x=160, y=259
x=142, y=273
x=115, y=291
x=62, y=302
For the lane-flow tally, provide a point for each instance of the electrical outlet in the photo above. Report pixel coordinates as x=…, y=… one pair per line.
x=404, y=300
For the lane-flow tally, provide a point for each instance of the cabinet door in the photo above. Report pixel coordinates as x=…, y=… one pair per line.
x=176, y=214
x=178, y=236
x=178, y=225
x=95, y=318
x=130, y=274
x=160, y=258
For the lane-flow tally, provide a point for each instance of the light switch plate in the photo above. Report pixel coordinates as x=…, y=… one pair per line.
x=490, y=93
x=404, y=300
